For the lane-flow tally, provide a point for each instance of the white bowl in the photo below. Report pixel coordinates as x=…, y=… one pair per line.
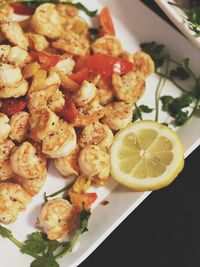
x=178, y=17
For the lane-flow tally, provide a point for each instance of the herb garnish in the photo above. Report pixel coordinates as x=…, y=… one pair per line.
x=182, y=108
x=139, y=110
x=45, y=251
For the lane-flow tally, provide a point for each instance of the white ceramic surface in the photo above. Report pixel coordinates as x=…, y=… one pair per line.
x=178, y=18
x=134, y=23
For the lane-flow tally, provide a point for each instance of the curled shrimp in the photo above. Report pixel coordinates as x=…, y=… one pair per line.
x=5, y=170
x=46, y=21
x=26, y=162
x=19, y=125
x=5, y=149
x=56, y=218
x=95, y=162
x=4, y=126
x=118, y=115
x=13, y=32
x=13, y=199
x=96, y=134
x=105, y=91
x=17, y=90
x=128, y=88
x=143, y=63
x=85, y=94
x=37, y=42
x=68, y=166
x=60, y=142
x=108, y=45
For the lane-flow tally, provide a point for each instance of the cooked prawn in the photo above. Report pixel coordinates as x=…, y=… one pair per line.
x=19, y=126
x=94, y=161
x=17, y=90
x=5, y=149
x=108, y=45
x=60, y=142
x=18, y=56
x=128, y=88
x=46, y=21
x=57, y=218
x=65, y=65
x=12, y=200
x=118, y=115
x=9, y=75
x=14, y=33
x=5, y=170
x=143, y=63
x=26, y=162
x=37, y=42
x=85, y=94
x=96, y=134
x=68, y=166
x=4, y=126
x=105, y=91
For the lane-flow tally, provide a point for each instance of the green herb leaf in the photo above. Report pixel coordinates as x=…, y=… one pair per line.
x=84, y=217
x=145, y=109
x=180, y=73
x=36, y=243
x=181, y=118
x=166, y=100
x=155, y=51
x=45, y=261
x=4, y=232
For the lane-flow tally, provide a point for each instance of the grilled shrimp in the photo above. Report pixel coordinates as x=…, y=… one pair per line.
x=81, y=185
x=143, y=63
x=18, y=56
x=5, y=149
x=38, y=100
x=6, y=12
x=104, y=92
x=128, y=88
x=89, y=114
x=94, y=162
x=52, y=79
x=65, y=65
x=42, y=123
x=17, y=90
x=85, y=94
x=19, y=125
x=5, y=170
x=4, y=52
x=60, y=142
x=57, y=218
x=14, y=33
x=12, y=200
x=56, y=102
x=9, y=75
x=96, y=134
x=118, y=115
x=67, y=10
x=68, y=166
x=37, y=41
x=108, y=45
x=4, y=126
x=72, y=43
x=26, y=162
x=46, y=21
x=32, y=186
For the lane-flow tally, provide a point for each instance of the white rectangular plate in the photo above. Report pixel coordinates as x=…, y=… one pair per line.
x=134, y=23
x=177, y=16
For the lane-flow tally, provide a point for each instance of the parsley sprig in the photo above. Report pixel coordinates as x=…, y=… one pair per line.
x=182, y=108
x=46, y=252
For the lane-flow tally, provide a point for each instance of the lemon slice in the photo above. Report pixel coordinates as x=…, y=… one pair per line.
x=146, y=156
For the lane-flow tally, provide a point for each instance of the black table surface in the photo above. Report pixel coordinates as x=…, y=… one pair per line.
x=164, y=231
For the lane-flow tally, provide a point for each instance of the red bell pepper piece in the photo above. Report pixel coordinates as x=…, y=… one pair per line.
x=46, y=61
x=80, y=76
x=22, y=9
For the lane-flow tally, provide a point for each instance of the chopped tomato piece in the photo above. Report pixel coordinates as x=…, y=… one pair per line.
x=106, y=65
x=11, y=106
x=22, y=9
x=80, y=76
x=69, y=112
x=107, y=26
x=83, y=200
x=46, y=61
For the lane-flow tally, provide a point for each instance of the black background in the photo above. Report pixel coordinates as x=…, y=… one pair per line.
x=164, y=231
